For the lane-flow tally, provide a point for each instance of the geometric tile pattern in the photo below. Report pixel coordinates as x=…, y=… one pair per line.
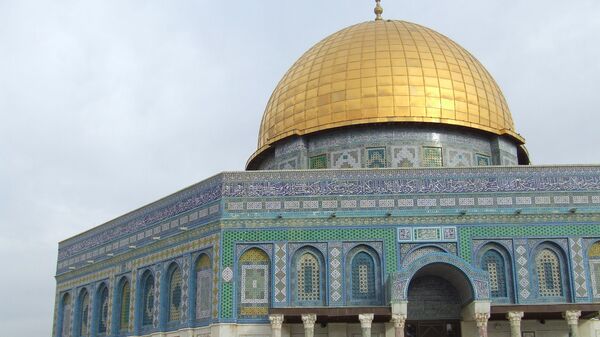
x=522, y=271
x=142, y=223
x=231, y=237
x=577, y=263
x=185, y=288
x=156, y=307
x=335, y=273
x=280, y=273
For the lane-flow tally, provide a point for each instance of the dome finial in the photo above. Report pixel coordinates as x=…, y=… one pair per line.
x=378, y=10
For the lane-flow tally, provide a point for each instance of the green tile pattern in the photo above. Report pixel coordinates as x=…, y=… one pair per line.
x=230, y=237
x=467, y=234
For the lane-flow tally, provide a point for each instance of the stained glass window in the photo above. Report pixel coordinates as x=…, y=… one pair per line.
x=376, y=158
x=84, y=314
x=203, y=287
x=103, y=311
x=363, y=277
x=318, y=162
x=175, y=295
x=125, y=297
x=148, y=300
x=254, y=283
x=309, y=278
x=66, y=316
x=548, y=274
x=432, y=156
x=493, y=263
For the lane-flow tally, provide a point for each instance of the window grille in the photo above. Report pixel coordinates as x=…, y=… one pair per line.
x=84, y=330
x=548, y=274
x=175, y=295
x=363, y=277
x=493, y=263
x=148, y=301
x=203, y=287
x=125, y=299
x=308, y=271
x=103, y=311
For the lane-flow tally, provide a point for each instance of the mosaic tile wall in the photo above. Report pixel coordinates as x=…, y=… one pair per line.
x=231, y=237
x=401, y=146
x=457, y=210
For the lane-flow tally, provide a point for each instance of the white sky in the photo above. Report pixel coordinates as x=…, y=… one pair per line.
x=108, y=105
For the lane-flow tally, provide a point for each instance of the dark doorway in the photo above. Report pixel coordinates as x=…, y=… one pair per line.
x=432, y=329
x=433, y=298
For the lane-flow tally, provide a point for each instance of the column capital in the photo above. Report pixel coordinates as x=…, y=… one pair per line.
x=398, y=320
x=514, y=316
x=276, y=321
x=572, y=316
x=365, y=320
x=309, y=320
x=481, y=318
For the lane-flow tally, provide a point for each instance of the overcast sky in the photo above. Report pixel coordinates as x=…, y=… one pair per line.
x=108, y=105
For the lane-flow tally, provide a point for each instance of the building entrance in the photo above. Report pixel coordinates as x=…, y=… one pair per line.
x=436, y=296
x=432, y=329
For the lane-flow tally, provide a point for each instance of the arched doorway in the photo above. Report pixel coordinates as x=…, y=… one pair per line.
x=436, y=295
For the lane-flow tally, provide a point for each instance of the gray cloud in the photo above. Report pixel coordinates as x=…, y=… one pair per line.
x=108, y=105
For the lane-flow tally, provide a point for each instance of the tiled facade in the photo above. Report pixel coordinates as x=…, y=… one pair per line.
x=390, y=146
x=394, y=214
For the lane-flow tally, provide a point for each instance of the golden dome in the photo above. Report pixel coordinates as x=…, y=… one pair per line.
x=384, y=71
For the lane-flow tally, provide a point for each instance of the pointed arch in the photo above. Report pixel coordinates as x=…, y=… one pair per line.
x=496, y=261
x=122, y=305
x=203, y=286
x=594, y=264
x=550, y=272
x=65, y=313
x=308, y=277
x=254, y=283
x=145, y=304
x=101, y=310
x=174, y=293
x=363, y=276
x=82, y=328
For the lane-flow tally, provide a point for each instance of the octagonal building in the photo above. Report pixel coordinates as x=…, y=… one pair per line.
x=390, y=195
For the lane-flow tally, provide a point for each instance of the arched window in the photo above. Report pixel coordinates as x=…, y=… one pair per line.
x=363, y=279
x=308, y=272
x=254, y=283
x=147, y=298
x=174, y=294
x=65, y=329
x=124, y=302
x=309, y=276
x=84, y=314
x=548, y=270
x=594, y=258
x=203, y=287
x=493, y=262
x=102, y=309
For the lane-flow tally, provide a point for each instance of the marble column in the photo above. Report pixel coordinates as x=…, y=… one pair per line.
x=481, y=318
x=365, y=324
x=309, y=324
x=572, y=317
x=514, y=317
x=276, y=323
x=398, y=320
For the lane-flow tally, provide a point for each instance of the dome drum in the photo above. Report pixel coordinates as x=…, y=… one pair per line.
x=389, y=145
